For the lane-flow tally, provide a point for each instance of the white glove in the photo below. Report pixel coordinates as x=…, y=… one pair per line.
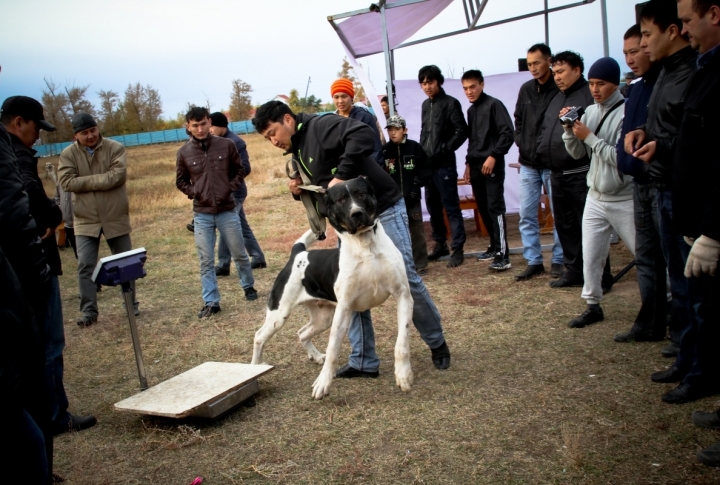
x=703, y=257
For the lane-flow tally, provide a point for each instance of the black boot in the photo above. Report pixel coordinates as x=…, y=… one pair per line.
x=438, y=251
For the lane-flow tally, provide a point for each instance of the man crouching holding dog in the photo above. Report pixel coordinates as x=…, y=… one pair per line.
x=331, y=149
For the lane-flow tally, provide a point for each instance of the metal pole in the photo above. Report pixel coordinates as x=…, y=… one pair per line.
x=547, y=24
x=386, y=49
x=128, y=295
x=603, y=13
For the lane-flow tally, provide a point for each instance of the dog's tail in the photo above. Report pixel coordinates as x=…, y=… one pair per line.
x=304, y=242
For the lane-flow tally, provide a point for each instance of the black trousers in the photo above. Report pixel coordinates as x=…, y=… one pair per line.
x=489, y=194
x=569, y=193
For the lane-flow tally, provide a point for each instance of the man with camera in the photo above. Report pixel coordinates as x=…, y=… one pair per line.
x=569, y=175
x=609, y=200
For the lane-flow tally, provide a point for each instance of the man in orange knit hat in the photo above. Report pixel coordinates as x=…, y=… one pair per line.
x=343, y=93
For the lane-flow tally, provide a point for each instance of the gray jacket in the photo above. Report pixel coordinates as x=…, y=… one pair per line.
x=604, y=179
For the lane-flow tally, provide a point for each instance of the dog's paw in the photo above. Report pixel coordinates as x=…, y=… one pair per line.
x=404, y=377
x=317, y=357
x=321, y=386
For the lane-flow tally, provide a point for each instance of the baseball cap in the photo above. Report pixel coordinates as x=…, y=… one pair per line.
x=28, y=108
x=396, y=121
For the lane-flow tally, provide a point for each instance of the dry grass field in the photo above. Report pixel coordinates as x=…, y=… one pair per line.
x=526, y=400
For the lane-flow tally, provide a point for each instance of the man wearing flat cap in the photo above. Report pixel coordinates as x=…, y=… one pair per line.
x=94, y=169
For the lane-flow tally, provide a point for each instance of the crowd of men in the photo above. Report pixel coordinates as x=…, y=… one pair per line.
x=637, y=162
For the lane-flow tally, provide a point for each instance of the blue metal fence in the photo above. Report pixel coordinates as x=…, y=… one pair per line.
x=150, y=138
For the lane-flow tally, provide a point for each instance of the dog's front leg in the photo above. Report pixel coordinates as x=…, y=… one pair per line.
x=340, y=323
x=274, y=320
x=403, y=370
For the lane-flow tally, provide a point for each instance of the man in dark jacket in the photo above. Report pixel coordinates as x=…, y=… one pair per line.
x=406, y=162
x=569, y=176
x=650, y=322
x=208, y=172
x=696, y=205
x=219, y=127
x=532, y=102
x=27, y=276
x=443, y=131
x=20, y=115
x=655, y=144
x=330, y=149
x=491, y=136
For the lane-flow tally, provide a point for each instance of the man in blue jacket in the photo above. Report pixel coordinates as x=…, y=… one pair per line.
x=219, y=127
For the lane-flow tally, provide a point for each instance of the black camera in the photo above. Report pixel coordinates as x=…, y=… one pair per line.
x=569, y=118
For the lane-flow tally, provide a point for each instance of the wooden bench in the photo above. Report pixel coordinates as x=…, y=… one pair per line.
x=468, y=202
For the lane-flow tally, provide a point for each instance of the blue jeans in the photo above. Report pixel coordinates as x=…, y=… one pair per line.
x=251, y=244
x=54, y=346
x=228, y=224
x=441, y=194
x=531, y=182
x=426, y=316
x=676, y=252
x=25, y=460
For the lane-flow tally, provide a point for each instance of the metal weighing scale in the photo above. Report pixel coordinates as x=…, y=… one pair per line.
x=205, y=391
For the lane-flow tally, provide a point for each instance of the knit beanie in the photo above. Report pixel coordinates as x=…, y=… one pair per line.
x=342, y=85
x=606, y=69
x=82, y=121
x=218, y=119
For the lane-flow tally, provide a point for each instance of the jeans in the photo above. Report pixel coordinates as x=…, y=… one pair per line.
x=426, y=316
x=441, y=194
x=705, y=368
x=54, y=345
x=251, y=244
x=25, y=459
x=228, y=224
x=676, y=253
x=489, y=194
x=650, y=264
x=87, y=249
x=531, y=182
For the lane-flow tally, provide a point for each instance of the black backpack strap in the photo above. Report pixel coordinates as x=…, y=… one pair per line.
x=602, y=121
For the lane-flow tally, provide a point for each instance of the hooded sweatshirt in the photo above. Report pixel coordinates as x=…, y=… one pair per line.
x=604, y=180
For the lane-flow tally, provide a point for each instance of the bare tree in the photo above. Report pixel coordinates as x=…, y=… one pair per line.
x=240, y=101
x=77, y=100
x=109, y=115
x=55, y=105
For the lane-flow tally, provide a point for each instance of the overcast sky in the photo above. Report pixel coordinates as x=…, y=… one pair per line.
x=190, y=51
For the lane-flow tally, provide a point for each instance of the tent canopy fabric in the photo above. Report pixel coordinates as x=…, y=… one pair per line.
x=360, y=32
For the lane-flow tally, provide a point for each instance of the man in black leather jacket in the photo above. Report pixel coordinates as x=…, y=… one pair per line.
x=655, y=144
x=443, y=131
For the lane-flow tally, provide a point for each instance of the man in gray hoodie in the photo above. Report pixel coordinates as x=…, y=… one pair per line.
x=610, y=196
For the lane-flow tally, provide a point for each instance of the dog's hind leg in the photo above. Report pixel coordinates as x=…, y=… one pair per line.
x=403, y=370
x=340, y=324
x=274, y=320
x=321, y=315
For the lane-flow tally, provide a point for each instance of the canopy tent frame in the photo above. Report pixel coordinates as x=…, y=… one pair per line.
x=473, y=11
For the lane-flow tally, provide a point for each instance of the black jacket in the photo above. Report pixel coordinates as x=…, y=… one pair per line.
x=636, y=113
x=44, y=210
x=443, y=129
x=332, y=146
x=551, y=152
x=19, y=239
x=665, y=112
x=491, y=131
x=368, y=118
x=696, y=203
x=406, y=163
x=533, y=100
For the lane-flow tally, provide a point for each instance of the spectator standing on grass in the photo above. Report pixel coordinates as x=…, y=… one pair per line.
x=219, y=127
x=651, y=320
x=406, y=163
x=331, y=149
x=696, y=206
x=609, y=200
x=22, y=117
x=24, y=289
x=343, y=93
x=569, y=186
x=491, y=136
x=532, y=102
x=94, y=169
x=209, y=171
x=655, y=143
x=443, y=131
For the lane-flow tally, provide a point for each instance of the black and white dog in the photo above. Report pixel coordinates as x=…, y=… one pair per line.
x=333, y=283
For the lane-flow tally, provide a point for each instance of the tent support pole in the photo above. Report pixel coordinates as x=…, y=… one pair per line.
x=388, y=60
